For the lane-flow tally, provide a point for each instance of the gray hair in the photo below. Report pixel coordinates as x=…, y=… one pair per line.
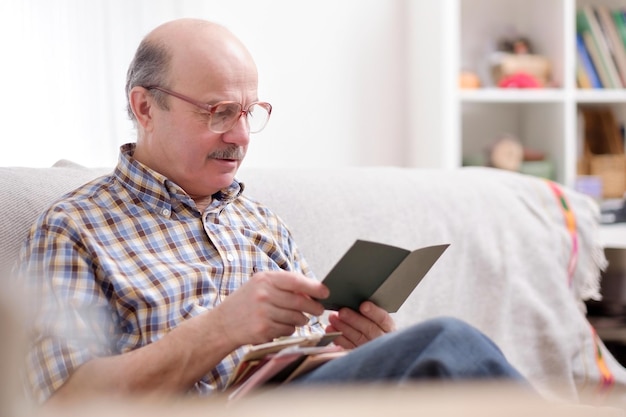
x=149, y=67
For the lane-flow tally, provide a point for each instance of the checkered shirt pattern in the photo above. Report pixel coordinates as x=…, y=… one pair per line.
x=122, y=260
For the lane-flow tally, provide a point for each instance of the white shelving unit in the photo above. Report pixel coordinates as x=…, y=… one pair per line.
x=447, y=36
x=614, y=235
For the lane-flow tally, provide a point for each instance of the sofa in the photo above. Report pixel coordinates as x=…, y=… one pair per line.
x=524, y=252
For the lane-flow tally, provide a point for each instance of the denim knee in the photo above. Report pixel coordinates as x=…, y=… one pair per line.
x=458, y=349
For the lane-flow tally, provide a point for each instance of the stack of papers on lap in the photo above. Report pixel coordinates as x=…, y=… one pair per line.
x=281, y=361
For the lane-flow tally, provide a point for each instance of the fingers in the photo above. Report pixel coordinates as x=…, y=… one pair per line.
x=343, y=339
x=271, y=304
x=378, y=315
x=297, y=283
x=293, y=292
x=359, y=328
x=242, y=323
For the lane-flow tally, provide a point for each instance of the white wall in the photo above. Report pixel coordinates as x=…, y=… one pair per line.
x=335, y=72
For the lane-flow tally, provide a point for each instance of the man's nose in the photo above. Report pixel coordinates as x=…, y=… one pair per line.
x=239, y=134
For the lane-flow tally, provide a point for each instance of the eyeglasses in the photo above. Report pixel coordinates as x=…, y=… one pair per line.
x=224, y=115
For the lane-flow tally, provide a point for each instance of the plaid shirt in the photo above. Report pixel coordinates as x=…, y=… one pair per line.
x=119, y=262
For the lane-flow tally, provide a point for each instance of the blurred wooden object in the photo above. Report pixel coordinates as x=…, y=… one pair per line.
x=603, y=151
x=535, y=65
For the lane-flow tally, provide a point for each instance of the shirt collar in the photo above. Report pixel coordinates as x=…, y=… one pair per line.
x=157, y=190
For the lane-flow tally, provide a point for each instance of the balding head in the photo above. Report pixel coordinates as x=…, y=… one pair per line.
x=195, y=64
x=186, y=49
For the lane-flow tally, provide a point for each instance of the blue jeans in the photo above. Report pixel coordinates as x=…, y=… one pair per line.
x=438, y=348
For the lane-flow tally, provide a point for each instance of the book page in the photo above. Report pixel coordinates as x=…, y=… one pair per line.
x=401, y=283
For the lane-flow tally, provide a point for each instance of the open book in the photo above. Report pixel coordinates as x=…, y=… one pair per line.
x=384, y=274
x=372, y=271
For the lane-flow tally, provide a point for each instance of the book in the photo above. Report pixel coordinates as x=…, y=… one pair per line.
x=382, y=273
x=613, y=40
x=596, y=59
x=585, y=66
x=584, y=30
x=582, y=80
x=588, y=26
x=313, y=361
x=619, y=17
x=257, y=355
x=281, y=361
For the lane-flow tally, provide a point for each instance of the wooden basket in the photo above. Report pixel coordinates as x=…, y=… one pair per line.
x=603, y=154
x=611, y=169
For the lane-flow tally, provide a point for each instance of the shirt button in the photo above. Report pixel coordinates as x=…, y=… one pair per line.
x=165, y=212
x=230, y=257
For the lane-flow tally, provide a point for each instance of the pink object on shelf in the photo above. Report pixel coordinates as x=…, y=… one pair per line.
x=519, y=80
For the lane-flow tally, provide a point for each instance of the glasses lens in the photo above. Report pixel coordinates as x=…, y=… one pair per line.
x=258, y=115
x=224, y=117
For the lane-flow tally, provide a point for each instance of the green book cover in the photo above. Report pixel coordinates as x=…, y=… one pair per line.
x=384, y=274
x=620, y=23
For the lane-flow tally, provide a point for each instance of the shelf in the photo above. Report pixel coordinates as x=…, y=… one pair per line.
x=600, y=96
x=610, y=329
x=502, y=95
x=456, y=125
x=613, y=235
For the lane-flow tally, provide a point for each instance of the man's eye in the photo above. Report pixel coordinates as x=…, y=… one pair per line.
x=224, y=113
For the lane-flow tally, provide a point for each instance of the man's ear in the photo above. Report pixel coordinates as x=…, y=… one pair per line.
x=141, y=102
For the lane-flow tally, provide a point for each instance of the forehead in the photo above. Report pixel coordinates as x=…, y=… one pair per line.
x=215, y=64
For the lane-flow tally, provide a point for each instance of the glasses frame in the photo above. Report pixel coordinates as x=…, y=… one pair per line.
x=210, y=108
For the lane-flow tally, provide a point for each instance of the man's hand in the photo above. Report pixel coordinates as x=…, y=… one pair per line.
x=360, y=327
x=271, y=304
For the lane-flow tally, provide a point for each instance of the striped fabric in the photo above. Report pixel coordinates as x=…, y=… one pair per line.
x=607, y=379
x=124, y=259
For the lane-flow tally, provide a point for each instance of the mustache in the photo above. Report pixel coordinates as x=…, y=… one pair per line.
x=231, y=152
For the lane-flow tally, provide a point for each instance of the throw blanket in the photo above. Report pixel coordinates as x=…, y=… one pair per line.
x=530, y=291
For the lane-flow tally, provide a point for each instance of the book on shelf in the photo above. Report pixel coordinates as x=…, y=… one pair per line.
x=596, y=59
x=582, y=80
x=587, y=24
x=613, y=40
x=619, y=18
x=587, y=75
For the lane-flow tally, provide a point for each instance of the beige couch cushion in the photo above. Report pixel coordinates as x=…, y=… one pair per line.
x=25, y=192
